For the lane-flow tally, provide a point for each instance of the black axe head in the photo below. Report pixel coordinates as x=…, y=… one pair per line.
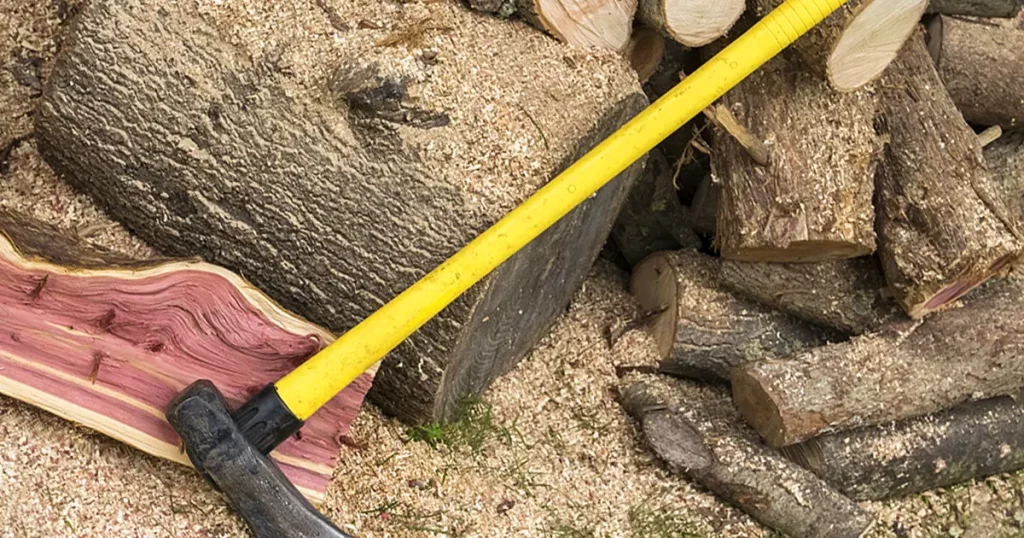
x=239, y=468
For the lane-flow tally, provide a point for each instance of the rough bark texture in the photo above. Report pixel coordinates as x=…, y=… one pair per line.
x=972, y=440
x=907, y=369
x=813, y=200
x=693, y=23
x=332, y=210
x=698, y=434
x=107, y=342
x=982, y=67
x=653, y=219
x=1005, y=158
x=702, y=330
x=977, y=8
x=604, y=24
x=849, y=296
x=941, y=233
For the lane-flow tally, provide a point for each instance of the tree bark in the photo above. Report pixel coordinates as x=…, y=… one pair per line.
x=970, y=441
x=977, y=8
x=603, y=24
x=853, y=46
x=941, y=233
x=702, y=330
x=107, y=342
x=1005, y=158
x=907, y=369
x=697, y=433
x=693, y=23
x=981, y=65
x=848, y=296
x=332, y=210
x=813, y=200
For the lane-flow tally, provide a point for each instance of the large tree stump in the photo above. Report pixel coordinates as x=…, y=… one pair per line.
x=335, y=209
x=906, y=370
x=698, y=434
x=812, y=202
x=977, y=8
x=941, y=233
x=981, y=65
x=107, y=342
x=972, y=440
x=703, y=330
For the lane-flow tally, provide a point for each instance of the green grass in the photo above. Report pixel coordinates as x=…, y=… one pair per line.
x=474, y=426
x=664, y=521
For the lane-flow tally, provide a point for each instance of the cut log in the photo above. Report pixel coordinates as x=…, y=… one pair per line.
x=333, y=210
x=693, y=23
x=982, y=67
x=854, y=45
x=604, y=24
x=849, y=296
x=107, y=342
x=941, y=233
x=1005, y=158
x=645, y=52
x=698, y=434
x=1006, y=9
x=970, y=441
x=702, y=330
x=908, y=369
x=812, y=202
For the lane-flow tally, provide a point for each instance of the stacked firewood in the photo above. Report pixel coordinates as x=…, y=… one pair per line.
x=834, y=241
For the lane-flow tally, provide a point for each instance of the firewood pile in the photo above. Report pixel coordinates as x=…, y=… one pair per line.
x=835, y=241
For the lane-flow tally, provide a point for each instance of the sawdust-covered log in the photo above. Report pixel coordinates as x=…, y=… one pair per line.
x=698, y=434
x=604, y=24
x=693, y=23
x=941, y=232
x=1005, y=159
x=335, y=203
x=107, y=342
x=703, y=330
x=905, y=370
x=982, y=67
x=970, y=441
x=854, y=45
x=849, y=296
x=812, y=202
x=977, y=8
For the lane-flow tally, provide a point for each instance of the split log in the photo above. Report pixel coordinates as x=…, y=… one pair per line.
x=853, y=46
x=604, y=24
x=1005, y=158
x=698, y=434
x=849, y=296
x=970, y=441
x=702, y=330
x=333, y=210
x=905, y=370
x=107, y=342
x=1006, y=9
x=982, y=67
x=693, y=23
x=813, y=201
x=941, y=233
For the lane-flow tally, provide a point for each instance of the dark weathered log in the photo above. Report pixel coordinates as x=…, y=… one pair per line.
x=849, y=296
x=813, y=200
x=331, y=210
x=645, y=52
x=653, y=218
x=982, y=66
x=604, y=24
x=854, y=45
x=107, y=342
x=977, y=8
x=970, y=441
x=702, y=330
x=941, y=233
x=1005, y=158
x=698, y=434
x=693, y=23
x=905, y=370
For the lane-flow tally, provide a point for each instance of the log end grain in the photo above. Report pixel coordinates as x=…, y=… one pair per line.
x=871, y=41
x=757, y=407
x=693, y=23
x=645, y=52
x=653, y=283
x=604, y=24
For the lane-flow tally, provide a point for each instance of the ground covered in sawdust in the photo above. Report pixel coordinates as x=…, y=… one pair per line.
x=546, y=452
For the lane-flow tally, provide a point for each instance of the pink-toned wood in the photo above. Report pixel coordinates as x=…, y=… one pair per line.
x=108, y=347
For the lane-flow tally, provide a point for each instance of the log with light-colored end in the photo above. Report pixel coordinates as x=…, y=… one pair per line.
x=871, y=41
x=693, y=23
x=604, y=24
